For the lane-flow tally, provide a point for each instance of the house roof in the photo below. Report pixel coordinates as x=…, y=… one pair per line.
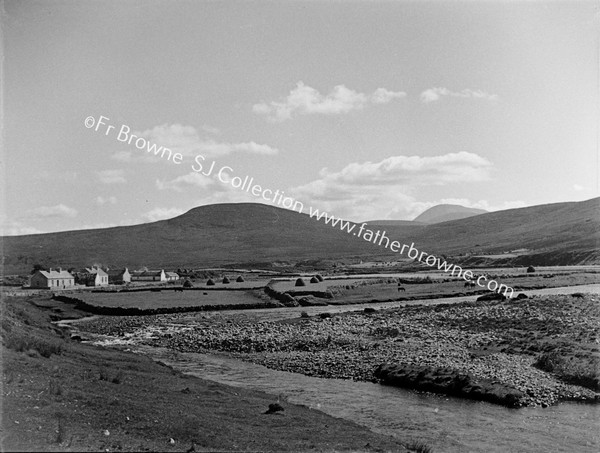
x=56, y=274
x=172, y=274
x=116, y=272
x=148, y=273
x=95, y=270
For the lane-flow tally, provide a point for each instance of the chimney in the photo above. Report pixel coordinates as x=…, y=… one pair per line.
x=50, y=270
x=60, y=269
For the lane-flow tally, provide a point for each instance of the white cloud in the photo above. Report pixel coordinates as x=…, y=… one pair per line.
x=105, y=200
x=384, y=189
x=59, y=210
x=305, y=100
x=161, y=214
x=16, y=228
x=213, y=148
x=191, y=179
x=205, y=190
x=111, y=176
x=122, y=156
x=186, y=140
x=211, y=130
x=578, y=187
x=435, y=94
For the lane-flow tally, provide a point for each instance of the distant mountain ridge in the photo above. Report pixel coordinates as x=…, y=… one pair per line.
x=242, y=233
x=447, y=212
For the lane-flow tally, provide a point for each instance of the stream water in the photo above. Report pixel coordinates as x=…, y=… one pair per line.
x=447, y=424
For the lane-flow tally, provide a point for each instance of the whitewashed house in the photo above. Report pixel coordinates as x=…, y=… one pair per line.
x=52, y=279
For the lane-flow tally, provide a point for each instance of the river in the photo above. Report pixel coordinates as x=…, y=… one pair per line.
x=445, y=423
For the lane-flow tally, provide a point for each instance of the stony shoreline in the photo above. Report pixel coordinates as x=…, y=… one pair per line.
x=492, y=342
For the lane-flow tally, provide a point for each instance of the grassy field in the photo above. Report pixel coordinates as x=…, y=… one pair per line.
x=61, y=395
x=170, y=298
x=357, y=290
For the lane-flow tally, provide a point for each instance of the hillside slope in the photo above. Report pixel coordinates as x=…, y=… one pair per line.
x=559, y=233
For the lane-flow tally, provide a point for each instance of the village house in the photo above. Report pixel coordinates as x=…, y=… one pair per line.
x=52, y=279
x=118, y=276
x=171, y=276
x=92, y=276
x=149, y=276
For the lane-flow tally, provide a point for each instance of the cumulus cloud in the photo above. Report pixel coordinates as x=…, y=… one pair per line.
x=183, y=182
x=111, y=176
x=435, y=94
x=205, y=190
x=305, y=100
x=157, y=214
x=16, y=228
x=187, y=141
x=211, y=130
x=414, y=170
x=385, y=189
x=105, y=200
x=59, y=210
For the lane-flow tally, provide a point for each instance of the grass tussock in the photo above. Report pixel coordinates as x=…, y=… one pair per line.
x=45, y=347
x=419, y=446
x=116, y=377
x=61, y=431
x=576, y=370
x=54, y=388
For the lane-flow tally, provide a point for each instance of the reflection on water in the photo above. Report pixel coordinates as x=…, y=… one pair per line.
x=447, y=424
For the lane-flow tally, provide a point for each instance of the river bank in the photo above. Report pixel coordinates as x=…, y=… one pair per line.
x=61, y=395
x=544, y=348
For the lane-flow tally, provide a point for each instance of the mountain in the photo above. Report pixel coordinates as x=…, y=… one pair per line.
x=395, y=223
x=447, y=212
x=256, y=234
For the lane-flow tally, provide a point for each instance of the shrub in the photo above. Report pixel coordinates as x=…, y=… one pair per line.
x=61, y=429
x=106, y=375
x=54, y=388
x=20, y=343
x=573, y=370
x=419, y=446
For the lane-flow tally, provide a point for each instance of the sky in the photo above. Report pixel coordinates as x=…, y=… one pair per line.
x=114, y=112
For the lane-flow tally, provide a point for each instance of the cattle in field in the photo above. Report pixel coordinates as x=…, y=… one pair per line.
x=401, y=288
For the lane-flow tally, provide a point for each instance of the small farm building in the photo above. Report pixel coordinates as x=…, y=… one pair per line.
x=149, y=276
x=118, y=276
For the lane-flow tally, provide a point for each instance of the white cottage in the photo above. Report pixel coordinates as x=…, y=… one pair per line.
x=52, y=279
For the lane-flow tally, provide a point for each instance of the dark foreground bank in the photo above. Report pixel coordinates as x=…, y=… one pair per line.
x=60, y=395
